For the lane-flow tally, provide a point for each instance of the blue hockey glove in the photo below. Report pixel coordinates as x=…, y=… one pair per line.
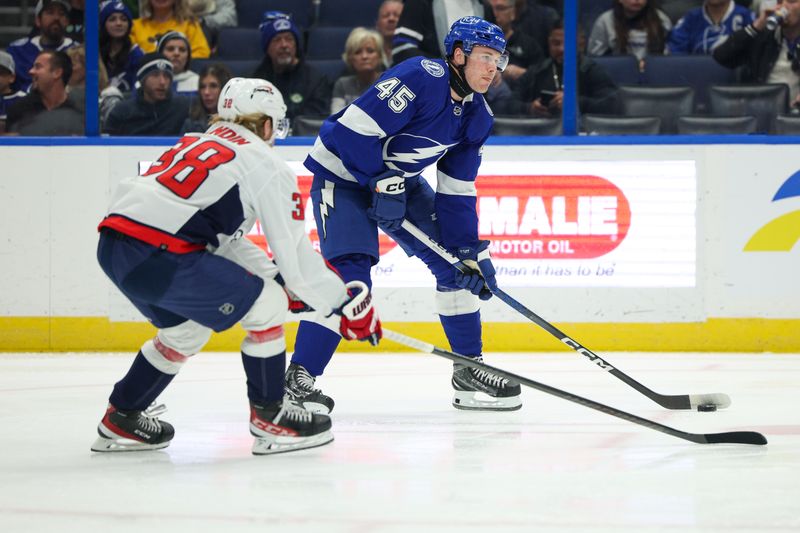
x=388, y=200
x=479, y=279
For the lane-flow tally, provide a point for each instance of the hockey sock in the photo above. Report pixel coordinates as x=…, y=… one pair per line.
x=314, y=347
x=264, y=377
x=315, y=343
x=464, y=333
x=140, y=386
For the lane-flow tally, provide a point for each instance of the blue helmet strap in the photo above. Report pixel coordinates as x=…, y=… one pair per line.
x=458, y=79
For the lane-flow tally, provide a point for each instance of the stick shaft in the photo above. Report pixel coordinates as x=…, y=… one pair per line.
x=740, y=437
x=683, y=401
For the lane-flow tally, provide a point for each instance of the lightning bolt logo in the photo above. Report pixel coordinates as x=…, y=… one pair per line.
x=412, y=155
x=327, y=201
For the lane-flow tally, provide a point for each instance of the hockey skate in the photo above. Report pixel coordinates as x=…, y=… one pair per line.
x=283, y=426
x=300, y=389
x=129, y=431
x=480, y=390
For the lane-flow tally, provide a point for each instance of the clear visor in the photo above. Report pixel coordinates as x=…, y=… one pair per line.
x=501, y=61
x=281, y=129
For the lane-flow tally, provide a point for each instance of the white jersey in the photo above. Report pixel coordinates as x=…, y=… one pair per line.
x=207, y=191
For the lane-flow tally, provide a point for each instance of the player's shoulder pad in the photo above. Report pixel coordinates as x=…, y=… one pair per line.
x=421, y=69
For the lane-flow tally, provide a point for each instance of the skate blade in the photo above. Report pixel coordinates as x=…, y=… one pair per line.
x=480, y=401
x=103, y=444
x=274, y=444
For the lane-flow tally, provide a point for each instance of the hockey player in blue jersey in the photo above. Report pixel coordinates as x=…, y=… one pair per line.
x=705, y=27
x=367, y=162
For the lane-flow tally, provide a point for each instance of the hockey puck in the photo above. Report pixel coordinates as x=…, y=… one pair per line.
x=707, y=408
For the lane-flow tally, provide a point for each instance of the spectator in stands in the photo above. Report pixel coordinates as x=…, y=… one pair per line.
x=119, y=54
x=630, y=27
x=535, y=20
x=767, y=56
x=213, y=78
x=75, y=20
x=523, y=50
x=175, y=46
x=8, y=96
x=110, y=95
x=424, y=24
x=704, y=28
x=160, y=16
x=77, y=80
x=153, y=110
x=214, y=15
x=540, y=91
x=388, y=15
x=500, y=97
x=305, y=90
x=74, y=29
x=51, y=19
x=365, y=58
x=48, y=109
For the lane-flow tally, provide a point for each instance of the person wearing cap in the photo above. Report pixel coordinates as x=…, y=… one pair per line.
x=175, y=46
x=8, y=96
x=51, y=20
x=153, y=110
x=119, y=54
x=48, y=109
x=306, y=90
x=158, y=17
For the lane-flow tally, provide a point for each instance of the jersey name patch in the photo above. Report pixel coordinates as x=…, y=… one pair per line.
x=433, y=68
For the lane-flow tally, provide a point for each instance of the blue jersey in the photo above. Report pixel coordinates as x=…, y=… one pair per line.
x=696, y=33
x=7, y=101
x=25, y=50
x=406, y=122
x=125, y=80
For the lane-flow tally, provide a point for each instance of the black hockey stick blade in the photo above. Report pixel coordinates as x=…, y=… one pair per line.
x=678, y=401
x=734, y=437
x=681, y=401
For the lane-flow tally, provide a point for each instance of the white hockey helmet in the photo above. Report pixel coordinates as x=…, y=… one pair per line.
x=245, y=96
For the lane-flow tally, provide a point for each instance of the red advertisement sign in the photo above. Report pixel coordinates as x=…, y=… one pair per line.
x=527, y=217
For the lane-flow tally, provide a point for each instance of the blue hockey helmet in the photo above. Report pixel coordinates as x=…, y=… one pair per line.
x=471, y=31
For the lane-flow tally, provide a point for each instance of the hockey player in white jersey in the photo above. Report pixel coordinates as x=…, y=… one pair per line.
x=173, y=244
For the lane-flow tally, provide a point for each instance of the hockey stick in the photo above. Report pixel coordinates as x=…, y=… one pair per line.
x=708, y=402
x=732, y=437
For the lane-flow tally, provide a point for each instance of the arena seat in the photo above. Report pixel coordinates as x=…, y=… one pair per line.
x=307, y=125
x=787, y=125
x=696, y=71
x=526, y=126
x=709, y=125
x=327, y=42
x=333, y=68
x=238, y=67
x=668, y=103
x=616, y=125
x=349, y=13
x=764, y=101
x=239, y=43
x=624, y=70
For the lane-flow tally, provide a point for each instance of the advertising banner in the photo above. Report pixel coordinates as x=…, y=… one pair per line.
x=567, y=224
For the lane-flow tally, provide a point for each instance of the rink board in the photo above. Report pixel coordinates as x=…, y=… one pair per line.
x=656, y=247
